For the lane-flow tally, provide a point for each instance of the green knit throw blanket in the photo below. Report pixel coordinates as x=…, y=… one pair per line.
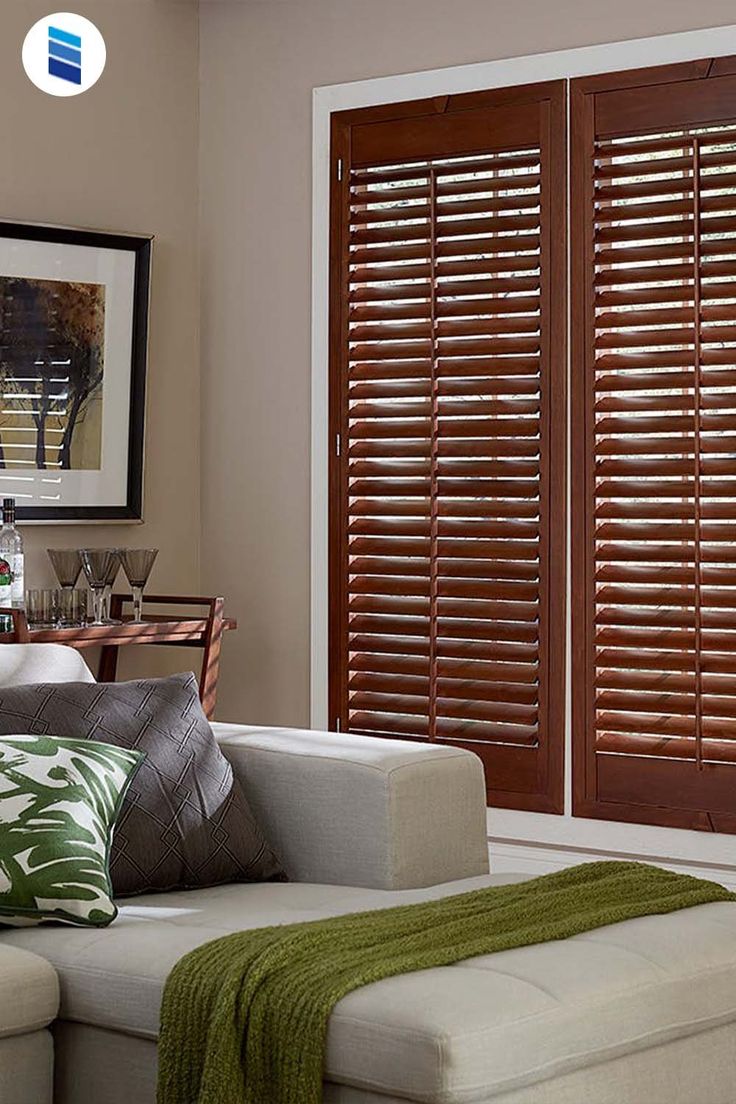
x=244, y=1018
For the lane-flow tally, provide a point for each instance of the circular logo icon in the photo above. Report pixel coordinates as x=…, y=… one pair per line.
x=64, y=54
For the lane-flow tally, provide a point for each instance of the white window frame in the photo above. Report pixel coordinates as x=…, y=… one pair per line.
x=520, y=840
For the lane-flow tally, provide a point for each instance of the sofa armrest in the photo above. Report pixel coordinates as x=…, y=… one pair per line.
x=354, y=810
x=29, y=992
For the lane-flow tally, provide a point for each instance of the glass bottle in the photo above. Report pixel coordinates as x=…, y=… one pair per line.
x=12, y=574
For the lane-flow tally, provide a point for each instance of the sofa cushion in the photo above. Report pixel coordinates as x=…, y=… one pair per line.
x=185, y=821
x=29, y=992
x=445, y=1036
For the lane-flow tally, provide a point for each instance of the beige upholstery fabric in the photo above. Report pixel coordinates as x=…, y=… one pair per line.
x=353, y=810
x=24, y=663
x=29, y=1001
x=467, y=1033
x=27, y=1066
x=697, y=1069
x=29, y=991
x=94, y=1066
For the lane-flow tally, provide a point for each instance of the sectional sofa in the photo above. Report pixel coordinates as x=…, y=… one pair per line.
x=642, y=1012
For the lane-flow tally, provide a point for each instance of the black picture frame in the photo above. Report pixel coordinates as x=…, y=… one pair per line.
x=141, y=247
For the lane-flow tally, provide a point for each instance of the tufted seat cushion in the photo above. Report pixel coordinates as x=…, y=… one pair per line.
x=453, y=1035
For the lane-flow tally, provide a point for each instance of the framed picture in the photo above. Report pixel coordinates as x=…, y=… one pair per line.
x=73, y=347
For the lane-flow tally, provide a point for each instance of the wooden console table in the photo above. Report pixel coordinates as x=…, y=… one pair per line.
x=183, y=632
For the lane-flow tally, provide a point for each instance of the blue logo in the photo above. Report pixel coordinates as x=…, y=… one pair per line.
x=52, y=54
x=65, y=55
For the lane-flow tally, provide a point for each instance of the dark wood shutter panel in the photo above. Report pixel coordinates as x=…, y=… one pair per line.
x=447, y=394
x=654, y=447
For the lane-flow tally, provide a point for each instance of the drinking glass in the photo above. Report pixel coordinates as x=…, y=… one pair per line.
x=137, y=564
x=97, y=564
x=72, y=607
x=42, y=608
x=67, y=563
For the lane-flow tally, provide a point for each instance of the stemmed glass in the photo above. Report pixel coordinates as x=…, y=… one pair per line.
x=137, y=564
x=67, y=563
x=97, y=564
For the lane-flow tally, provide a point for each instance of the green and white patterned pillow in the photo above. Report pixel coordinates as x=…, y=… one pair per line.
x=59, y=800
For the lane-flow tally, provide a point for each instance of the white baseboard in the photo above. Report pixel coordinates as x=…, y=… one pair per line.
x=525, y=857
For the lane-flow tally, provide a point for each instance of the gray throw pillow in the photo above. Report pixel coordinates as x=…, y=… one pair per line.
x=185, y=821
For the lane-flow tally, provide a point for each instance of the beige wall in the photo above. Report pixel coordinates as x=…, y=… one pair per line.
x=123, y=156
x=259, y=61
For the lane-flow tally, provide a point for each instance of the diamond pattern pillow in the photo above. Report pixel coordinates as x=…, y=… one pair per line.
x=58, y=803
x=185, y=822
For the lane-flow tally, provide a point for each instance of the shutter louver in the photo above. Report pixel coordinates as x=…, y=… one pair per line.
x=655, y=451
x=444, y=412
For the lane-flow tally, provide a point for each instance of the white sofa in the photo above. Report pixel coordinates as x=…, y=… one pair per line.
x=642, y=1012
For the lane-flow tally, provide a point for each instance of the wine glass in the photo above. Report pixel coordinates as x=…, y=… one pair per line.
x=97, y=564
x=67, y=563
x=137, y=564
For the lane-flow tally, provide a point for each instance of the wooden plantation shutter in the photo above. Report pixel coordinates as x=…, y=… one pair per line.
x=654, y=445
x=447, y=419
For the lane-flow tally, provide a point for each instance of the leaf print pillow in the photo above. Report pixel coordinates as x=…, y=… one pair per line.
x=59, y=800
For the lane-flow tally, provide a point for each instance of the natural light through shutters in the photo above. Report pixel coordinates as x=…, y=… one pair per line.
x=665, y=445
x=444, y=448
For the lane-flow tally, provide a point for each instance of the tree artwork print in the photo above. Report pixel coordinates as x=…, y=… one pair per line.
x=51, y=372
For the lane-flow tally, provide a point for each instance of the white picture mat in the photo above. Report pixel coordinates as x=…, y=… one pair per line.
x=115, y=270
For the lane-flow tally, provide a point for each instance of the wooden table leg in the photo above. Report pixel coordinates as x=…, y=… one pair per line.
x=108, y=665
x=21, y=634
x=107, y=670
x=211, y=661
